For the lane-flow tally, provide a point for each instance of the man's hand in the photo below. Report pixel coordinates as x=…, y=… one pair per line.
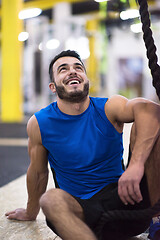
x=19, y=214
x=129, y=184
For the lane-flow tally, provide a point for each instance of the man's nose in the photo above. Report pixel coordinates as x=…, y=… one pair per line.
x=72, y=70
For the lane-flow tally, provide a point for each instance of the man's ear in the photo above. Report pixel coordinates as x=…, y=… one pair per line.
x=52, y=87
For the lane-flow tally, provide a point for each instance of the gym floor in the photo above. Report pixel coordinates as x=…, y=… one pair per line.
x=14, y=162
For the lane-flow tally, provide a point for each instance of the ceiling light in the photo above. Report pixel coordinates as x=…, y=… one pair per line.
x=52, y=44
x=23, y=36
x=136, y=28
x=129, y=14
x=40, y=46
x=83, y=48
x=101, y=0
x=29, y=13
x=81, y=45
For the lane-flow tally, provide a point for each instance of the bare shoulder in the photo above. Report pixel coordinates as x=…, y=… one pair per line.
x=116, y=100
x=33, y=130
x=121, y=109
x=114, y=105
x=118, y=103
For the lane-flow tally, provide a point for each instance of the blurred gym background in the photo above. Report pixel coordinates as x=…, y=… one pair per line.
x=107, y=35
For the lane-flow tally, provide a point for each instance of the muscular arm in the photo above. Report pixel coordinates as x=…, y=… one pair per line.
x=37, y=174
x=146, y=116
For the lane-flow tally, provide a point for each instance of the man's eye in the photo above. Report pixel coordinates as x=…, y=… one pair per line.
x=79, y=68
x=62, y=69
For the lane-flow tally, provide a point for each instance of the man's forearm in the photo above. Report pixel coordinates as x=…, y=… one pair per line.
x=36, y=186
x=147, y=124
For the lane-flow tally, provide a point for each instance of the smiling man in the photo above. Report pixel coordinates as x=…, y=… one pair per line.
x=81, y=137
x=71, y=83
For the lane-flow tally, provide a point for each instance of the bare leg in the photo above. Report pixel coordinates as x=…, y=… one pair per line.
x=66, y=215
x=152, y=168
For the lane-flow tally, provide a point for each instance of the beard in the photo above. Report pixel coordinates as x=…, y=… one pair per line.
x=72, y=97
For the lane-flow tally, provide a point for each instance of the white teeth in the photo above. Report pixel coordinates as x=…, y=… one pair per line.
x=74, y=82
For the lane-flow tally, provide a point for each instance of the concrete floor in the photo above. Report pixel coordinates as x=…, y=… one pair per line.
x=14, y=195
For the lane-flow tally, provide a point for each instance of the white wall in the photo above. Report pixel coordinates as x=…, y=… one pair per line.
x=125, y=44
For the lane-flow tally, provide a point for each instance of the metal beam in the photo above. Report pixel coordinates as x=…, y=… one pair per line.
x=11, y=89
x=46, y=4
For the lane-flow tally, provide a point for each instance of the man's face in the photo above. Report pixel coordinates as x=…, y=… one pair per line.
x=70, y=80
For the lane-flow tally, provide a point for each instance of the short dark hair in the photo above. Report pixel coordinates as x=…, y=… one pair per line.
x=67, y=53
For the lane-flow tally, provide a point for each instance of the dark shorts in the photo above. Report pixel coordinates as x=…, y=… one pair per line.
x=108, y=199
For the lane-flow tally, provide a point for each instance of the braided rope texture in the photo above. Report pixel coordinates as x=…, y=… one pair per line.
x=127, y=215
x=150, y=46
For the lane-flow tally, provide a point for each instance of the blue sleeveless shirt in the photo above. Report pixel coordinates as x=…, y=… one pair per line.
x=84, y=150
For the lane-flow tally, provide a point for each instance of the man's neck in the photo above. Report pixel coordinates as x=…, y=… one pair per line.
x=73, y=108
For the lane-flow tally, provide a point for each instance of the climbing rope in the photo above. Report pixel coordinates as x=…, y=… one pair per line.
x=114, y=215
x=150, y=46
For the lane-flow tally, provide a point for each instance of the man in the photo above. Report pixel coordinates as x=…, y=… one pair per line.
x=81, y=137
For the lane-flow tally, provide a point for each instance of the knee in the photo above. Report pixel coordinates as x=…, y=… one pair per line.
x=59, y=201
x=52, y=199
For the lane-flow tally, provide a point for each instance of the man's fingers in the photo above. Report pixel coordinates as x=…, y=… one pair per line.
x=124, y=195
x=128, y=184
x=17, y=214
x=8, y=213
x=138, y=194
x=134, y=192
x=130, y=193
x=12, y=216
x=122, y=192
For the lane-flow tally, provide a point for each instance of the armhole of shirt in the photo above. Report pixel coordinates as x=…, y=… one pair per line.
x=40, y=129
x=103, y=114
